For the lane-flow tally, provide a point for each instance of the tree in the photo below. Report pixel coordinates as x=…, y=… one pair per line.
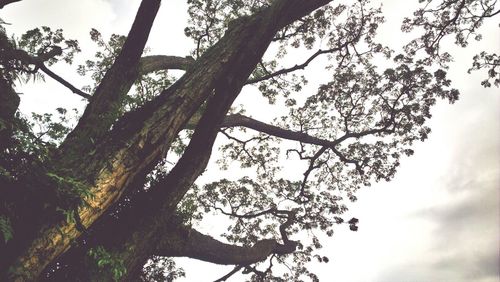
x=104, y=199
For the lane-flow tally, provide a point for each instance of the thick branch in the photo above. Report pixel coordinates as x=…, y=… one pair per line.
x=104, y=106
x=4, y=3
x=194, y=244
x=240, y=120
x=150, y=64
x=244, y=121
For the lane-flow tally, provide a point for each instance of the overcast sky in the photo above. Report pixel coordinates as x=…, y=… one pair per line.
x=438, y=220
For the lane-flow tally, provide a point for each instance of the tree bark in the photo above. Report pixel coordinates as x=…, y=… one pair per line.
x=104, y=106
x=9, y=101
x=150, y=64
x=141, y=138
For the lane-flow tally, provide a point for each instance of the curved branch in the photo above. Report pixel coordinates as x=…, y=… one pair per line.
x=4, y=3
x=150, y=64
x=147, y=65
x=203, y=247
x=188, y=242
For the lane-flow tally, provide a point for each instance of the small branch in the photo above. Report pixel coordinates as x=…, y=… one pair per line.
x=61, y=80
x=248, y=215
x=231, y=273
x=296, y=67
x=339, y=47
x=311, y=167
x=38, y=62
x=349, y=161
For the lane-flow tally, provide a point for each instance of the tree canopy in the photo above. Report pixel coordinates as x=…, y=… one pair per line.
x=114, y=193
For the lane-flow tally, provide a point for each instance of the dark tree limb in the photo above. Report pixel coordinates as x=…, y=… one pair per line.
x=150, y=64
x=104, y=106
x=4, y=3
x=39, y=64
x=194, y=244
x=228, y=275
x=244, y=121
x=61, y=80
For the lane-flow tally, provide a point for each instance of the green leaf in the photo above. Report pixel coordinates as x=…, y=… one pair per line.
x=6, y=228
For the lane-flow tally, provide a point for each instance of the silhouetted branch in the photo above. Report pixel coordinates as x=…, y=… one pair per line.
x=61, y=80
x=4, y=3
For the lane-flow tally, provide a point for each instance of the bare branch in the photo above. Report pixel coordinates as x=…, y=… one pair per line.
x=39, y=63
x=296, y=67
x=61, y=80
x=240, y=120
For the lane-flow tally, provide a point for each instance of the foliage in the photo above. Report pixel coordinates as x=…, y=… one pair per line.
x=439, y=19
x=104, y=58
x=159, y=269
x=145, y=87
x=40, y=41
x=21, y=58
x=34, y=139
x=9, y=68
x=6, y=229
x=106, y=261
x=490, y=62
x=188, y=209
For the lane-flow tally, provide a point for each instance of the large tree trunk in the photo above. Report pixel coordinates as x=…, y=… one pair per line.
x=111, y=162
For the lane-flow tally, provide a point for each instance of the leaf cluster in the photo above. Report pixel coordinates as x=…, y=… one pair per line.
x=107, y=262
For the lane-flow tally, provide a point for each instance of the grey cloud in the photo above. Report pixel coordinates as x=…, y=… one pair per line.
x=465, y=237
x=482, y=266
